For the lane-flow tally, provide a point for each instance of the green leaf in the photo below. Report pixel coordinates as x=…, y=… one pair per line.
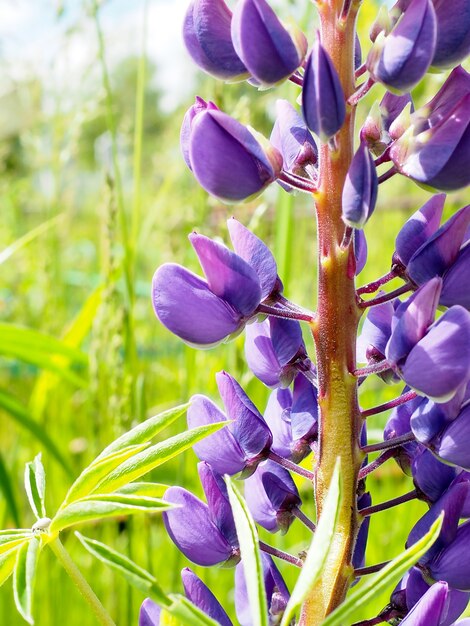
x=11, y=541
x=21, y=415
x=8, y=490
x=145, y=431
x=156, y=455
x=319, y=548
x=177, y=610
x=133, y=573
x=38, y=349
x=154, y=490
x=249, y=549
x=102, y=506
x=97, y=470
x=35, y=485
x=375, y=584
x=24, y=240
x=7, y=564
x=23, y=578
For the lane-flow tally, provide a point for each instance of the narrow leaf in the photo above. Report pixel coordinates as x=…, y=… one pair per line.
x=377, y=583
x=21, y=415
x=8, y=490
x=24, y=240
x=319, y=548
x=145, y=431
x=13, y=541
x=249, y=549
x=133, y=573
x=94, y=473
x=156, y=455
x=23, y=578
x=153, y=490
x=103, y=506
x=7, y=564
x=35, y=486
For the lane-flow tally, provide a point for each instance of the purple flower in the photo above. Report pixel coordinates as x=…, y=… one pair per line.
x=149, y=613
x=360, y=189
x=197, y=592
x=226, y=158
x=436, y=156
x=277, y=593
x=185, y=134
x=200, y=595
x=206, y=33
x=419, y=229
x=401, y=58
x=323, y=101
x=431, y=608
x=271, y=496
x=267, y=49
x=376, y=129
x=275, y=351
x=360, y=250
x=204, y=533
x=292, y=138
x=293, y=419
x=453, y=33
x=245, y=441
x=359, y=554
x=205, y=312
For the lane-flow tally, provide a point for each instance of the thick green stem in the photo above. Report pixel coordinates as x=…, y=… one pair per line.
x=334, y=331
x=84, y=588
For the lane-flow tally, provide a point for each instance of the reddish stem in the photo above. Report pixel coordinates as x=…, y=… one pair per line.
x=289, y=465
x=362, y=91
x=284, y=313
x=380, y=460
x=388, y=174
x=387, y=297
x=375, y=368
x=383, y=506
x=289, y=558
x=376, y=284
x=391, y=404
x=372, y=569
x=389, y=444
x=306, y=521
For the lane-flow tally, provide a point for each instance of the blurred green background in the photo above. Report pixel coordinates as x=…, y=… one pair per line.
x=95, y=195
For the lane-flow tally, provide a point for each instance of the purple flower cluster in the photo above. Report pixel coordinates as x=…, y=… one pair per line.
x=417, y=335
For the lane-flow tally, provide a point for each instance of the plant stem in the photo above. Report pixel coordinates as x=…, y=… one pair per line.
x=306, y=521
x=380, y=460
x=376, y=284
x=389, y=443
x=289, y=465
x=289, y=558
x=389, y=504
x=334, y=331
x=391, y=404
x=84, y=588
x=372, y=569
x=289, y=314
x=375, y=368
x=387, y=296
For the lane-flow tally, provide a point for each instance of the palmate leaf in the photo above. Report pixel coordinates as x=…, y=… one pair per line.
x=97, y=470
x=249, y=549
x=35, y=486
x=156, y=455
x=23, y=577
x=377, y=583
x=319, y=548
x=7, y=564
x=177, y=610
x=101, y=506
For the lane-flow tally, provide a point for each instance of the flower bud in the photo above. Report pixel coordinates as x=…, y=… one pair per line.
x=267, y=49
x=185, y=134
x=207, y=36
x=293, y=140
x=360, y=189
x=323, y=101
x=274, y=349
x=227, y=160
x=271, y=495
x=401, y=58
x=277, y=594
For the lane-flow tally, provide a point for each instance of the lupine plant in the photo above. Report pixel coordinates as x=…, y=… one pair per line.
x=414, y=335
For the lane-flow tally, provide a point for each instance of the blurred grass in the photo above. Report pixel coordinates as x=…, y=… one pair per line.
x=84, y=234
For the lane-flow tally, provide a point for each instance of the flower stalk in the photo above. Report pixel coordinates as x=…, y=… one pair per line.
x=334, y=333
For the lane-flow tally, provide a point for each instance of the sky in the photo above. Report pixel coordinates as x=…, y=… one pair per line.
x=35, y=41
